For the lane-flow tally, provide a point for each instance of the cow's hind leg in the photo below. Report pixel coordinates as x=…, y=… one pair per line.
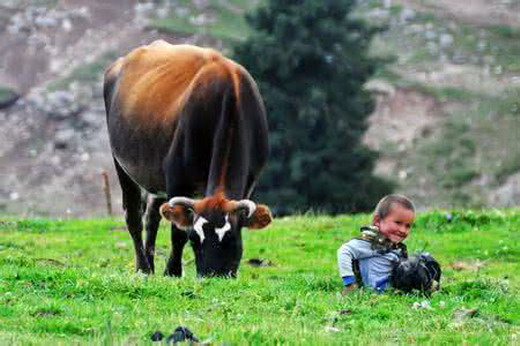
x=152, y=220
x=133, y=206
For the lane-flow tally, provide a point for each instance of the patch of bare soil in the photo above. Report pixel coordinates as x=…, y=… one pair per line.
x=401, y=118
x=477, y=79
x=508, y=193
x=474, y=266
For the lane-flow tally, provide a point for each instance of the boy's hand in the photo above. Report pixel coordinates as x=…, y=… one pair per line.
x=349, y=288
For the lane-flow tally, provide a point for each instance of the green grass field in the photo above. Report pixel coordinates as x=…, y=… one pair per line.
x=72, y=281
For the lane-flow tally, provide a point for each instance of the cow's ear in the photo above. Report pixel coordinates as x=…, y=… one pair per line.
x=261, y=217
x=180, y=215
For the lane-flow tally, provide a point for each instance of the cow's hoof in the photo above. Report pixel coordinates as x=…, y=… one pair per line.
x=145, y=271
x=157, y=336
x=172, y=274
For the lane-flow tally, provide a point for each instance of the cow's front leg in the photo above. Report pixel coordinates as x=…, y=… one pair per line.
x=174, y=264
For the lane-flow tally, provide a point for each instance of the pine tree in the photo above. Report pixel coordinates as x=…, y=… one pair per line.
x=310, y=59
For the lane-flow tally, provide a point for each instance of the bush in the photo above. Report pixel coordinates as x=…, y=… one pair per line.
x=311, y=61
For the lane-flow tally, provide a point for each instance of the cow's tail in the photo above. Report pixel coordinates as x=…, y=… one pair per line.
x=229, y=166
x=111, y=74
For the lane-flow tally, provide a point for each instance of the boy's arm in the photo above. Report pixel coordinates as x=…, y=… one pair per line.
x=354, y=249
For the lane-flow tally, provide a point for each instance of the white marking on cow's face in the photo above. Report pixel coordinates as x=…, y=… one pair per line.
x=222, y=230
x=199, y=229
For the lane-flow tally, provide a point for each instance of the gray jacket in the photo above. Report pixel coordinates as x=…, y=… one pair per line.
x=375, y=267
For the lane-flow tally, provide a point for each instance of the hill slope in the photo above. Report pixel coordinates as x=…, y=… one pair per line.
x=446, y=121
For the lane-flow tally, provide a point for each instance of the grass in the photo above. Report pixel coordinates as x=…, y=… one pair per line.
x=440, y=93
x=6, y=94
x=72, y=281
x=224, y=19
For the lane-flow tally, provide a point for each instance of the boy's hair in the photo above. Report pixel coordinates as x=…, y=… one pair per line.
x=385, y=204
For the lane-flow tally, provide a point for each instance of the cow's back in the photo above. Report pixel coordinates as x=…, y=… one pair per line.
x=154, y=80
x=147, y=94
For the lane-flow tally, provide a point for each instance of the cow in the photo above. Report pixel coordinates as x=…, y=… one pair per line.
x=188, y=130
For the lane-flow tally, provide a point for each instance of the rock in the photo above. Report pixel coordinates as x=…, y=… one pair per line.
x=121, y=245
x=461, y=314
x=85, y=157
x=181, y=334
x=425, y=305
x=143, y=8
x=162, y=12
x=46, y=22
x=13, y=196
x=56, y=160
x=407, y=14
x=63, y=138
x=201, y=19
x=62, y=104
x=459, y=59
x=430, y=35
x=446, y=40
x=433, y=49
x=91, y=119
x=64, y=135
x=380, y=86
x=379, y=14
x=259, y=262
x=66, y=25
x=182, y=12
x=157, y=336
x=8, y=98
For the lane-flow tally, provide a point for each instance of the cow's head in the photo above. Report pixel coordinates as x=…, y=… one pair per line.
x=213, y=225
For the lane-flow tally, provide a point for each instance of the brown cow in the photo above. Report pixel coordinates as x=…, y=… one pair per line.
x=186, y=121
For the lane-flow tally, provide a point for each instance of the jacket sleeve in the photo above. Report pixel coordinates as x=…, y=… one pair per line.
x=354, y=249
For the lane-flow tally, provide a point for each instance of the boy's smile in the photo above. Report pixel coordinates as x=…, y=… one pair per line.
x=397, y=224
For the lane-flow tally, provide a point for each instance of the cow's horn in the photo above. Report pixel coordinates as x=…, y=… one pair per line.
x=184, y=201
x=246, y=204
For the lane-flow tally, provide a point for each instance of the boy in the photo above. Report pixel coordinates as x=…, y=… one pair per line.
x=380, y=246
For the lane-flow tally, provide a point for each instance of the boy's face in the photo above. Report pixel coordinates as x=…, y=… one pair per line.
x=397, y=224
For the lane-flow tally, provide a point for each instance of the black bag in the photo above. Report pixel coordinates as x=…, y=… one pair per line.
x=419, y=272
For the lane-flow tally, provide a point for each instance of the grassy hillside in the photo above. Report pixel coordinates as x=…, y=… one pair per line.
x=448, y=108
x=215, y=19
x=68, y=281
x=470, y=70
